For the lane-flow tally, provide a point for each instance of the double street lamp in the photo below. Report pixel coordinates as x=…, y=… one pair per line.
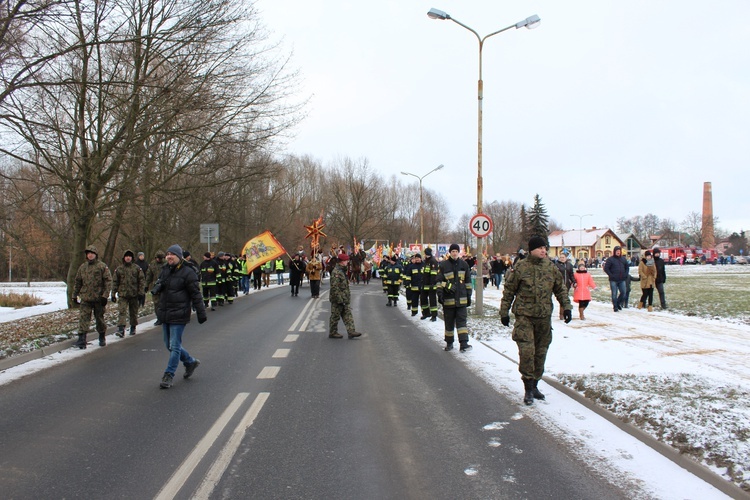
x=421, y=213
x=530, y=23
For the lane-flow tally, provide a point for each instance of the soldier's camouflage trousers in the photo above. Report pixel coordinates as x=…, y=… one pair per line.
x=127, y=307
x=339, y=311
x=84, y=320
x=533, y=337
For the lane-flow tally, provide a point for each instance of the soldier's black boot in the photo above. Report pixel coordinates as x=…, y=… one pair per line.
x=102, y=340
x=535, y=392
x=528, y=396
x=132, y=330
x=120, y=331
x=81, y=343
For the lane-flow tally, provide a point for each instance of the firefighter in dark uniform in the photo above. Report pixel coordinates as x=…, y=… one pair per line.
x=413, y=283
x=394, y=274
x=429, y=286
x=454, y=293
x=208, y=271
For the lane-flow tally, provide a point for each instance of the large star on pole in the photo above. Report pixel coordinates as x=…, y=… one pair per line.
x=315, y=231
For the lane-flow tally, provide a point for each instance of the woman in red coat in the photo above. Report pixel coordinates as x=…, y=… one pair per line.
x=583, y=286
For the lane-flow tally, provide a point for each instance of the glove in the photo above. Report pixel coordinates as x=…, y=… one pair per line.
x=114, y=298
x=505, y=320
x=567, y=315
x=142, y=297
x=202, y=319
x=103, y=301
x=440, y=299
x=468, y=301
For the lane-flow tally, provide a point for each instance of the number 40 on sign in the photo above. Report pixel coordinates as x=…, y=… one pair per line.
x=480, y=225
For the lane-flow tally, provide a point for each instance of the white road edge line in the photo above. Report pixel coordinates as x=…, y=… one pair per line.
x=222, y=461
x=187, y=467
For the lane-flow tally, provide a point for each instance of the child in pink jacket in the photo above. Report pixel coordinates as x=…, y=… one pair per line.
x=583, y=286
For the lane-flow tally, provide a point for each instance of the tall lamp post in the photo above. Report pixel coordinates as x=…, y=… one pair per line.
x=421, y=213
x=530, y=23
x=580, y=228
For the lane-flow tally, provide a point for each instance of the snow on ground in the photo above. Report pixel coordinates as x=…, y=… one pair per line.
x=673, y=368
x=52, y=293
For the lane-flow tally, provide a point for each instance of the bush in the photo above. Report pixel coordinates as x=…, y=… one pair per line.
x=19, y=300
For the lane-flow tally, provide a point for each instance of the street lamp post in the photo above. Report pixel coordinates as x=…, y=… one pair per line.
x=530, y=23
x=580, y=228
x=421, y=214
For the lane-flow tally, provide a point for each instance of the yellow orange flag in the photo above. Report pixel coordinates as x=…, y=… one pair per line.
x=261, y=249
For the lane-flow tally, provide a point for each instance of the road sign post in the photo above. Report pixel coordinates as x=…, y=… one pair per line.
x=209, y=234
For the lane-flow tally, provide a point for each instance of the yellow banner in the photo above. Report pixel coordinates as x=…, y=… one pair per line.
x=261, y=249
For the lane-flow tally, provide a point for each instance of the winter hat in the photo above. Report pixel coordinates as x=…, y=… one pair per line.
x=428, y=252
x=582, y=264
x=141, y=254
x=176, y=250
x=657, y=251
x=536, y=242
x=207, y=255
x=185, y=253
x=454, y=246
x=417, y=255
x=647, y=253
x=128, y=252
x=220, y=254
x=91, y=249
x=343, y=257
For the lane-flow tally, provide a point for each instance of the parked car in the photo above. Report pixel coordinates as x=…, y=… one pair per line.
x=740, y=260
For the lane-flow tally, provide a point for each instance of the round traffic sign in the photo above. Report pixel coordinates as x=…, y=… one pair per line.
x=480, y=225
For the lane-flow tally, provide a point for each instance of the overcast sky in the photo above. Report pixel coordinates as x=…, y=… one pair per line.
x=608, y=108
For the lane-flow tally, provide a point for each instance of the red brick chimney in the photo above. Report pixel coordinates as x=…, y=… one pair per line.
x=707, y=225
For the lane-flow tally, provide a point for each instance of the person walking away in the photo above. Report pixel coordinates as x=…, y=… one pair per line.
x=314, y=269
x=566, y=270
x=529, y=288
x=617, y=269
x=93, y=282
x=208, y=271
x=647, y=274
x=584, y=283
x=296, y=271
x=661, y=277
x=454, y=293
x=143, y=264
x=244, y=275
x=190, y=262
x=154, y=268
x=127, y=287
x=428, y=296
x=278, y=266
x=498, y=269
x=257, y=273
x=267, y=269
x=340, y=297
x=179, y=290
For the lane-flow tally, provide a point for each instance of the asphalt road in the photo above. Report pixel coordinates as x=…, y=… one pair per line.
x=278, y=410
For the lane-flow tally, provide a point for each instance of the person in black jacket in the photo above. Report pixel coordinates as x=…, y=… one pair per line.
x=568, y=273
x=616, y=267
x=661, y=277
x=178, y=290
x=454, y=290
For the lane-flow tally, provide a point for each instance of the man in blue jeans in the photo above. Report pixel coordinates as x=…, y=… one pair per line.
x=178, y=290
x=617, y=268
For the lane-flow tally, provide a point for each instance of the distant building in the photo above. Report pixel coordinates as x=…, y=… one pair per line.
x=587, y=243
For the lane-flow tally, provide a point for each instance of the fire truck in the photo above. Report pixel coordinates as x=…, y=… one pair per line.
x=688, y=255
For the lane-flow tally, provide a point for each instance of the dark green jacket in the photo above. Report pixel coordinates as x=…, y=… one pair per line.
x=529, y=287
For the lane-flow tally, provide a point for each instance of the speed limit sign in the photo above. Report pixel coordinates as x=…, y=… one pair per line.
x=480, y=225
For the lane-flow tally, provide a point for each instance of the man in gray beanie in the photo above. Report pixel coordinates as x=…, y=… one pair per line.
x=529, y=288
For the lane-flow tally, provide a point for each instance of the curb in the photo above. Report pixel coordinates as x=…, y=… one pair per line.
x=667, y=451
x=13, y=361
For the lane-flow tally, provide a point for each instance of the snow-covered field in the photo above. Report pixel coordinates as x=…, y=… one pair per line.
x=682, y=377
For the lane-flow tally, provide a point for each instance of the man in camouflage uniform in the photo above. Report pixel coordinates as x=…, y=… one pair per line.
x=128, y=285
x=529, y=288
x=429, y=286
x=92, y=284
x=454, y=293
x=340, y=298
x=154, y=268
